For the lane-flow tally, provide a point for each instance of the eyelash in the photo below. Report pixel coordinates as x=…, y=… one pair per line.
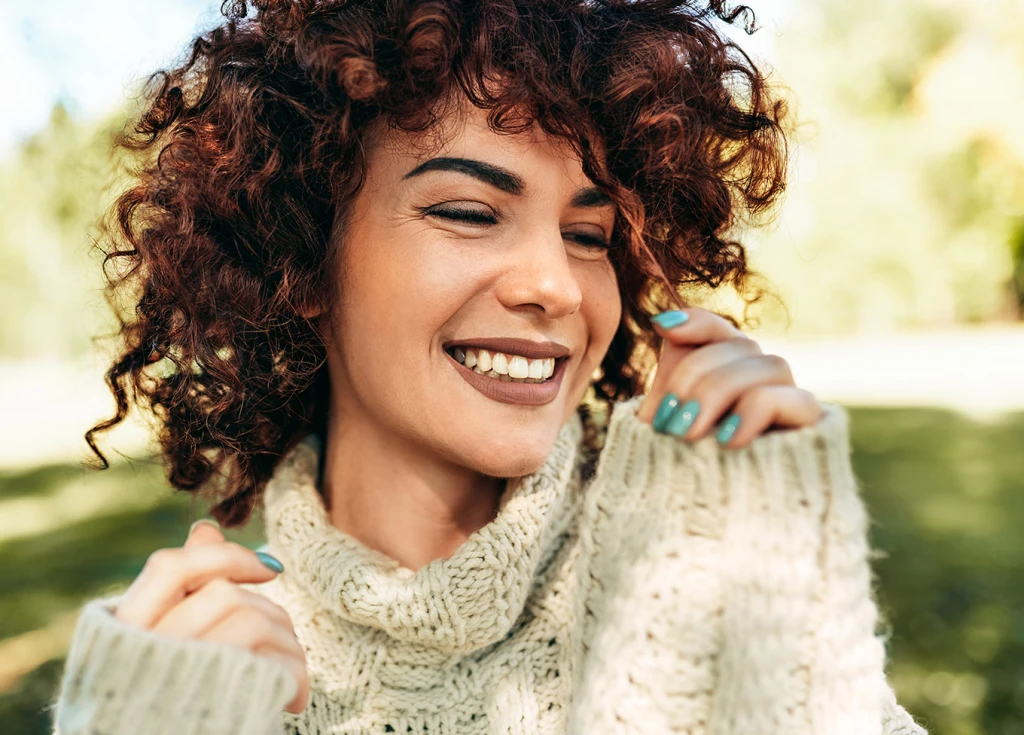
x=466, y=215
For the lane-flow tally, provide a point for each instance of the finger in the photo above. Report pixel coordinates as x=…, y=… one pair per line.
x=700, y=327
x=721, y=387
x=691, y=369
x=300, y=673
x=204, y=531
x=172, y=573
x=772, y=406
x=212, y=603
x=249, y=629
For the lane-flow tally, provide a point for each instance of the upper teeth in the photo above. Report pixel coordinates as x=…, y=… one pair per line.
x=501, y=364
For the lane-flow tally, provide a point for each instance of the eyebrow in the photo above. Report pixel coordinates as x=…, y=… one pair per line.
x=502, y=178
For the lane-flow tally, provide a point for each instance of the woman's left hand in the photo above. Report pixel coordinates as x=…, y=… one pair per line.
x=707, y=366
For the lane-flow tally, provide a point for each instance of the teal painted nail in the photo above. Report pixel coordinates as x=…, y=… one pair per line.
x=682, y=419
x=270, y=562
x=665, y=408
x=669, y=319
x=728, y=429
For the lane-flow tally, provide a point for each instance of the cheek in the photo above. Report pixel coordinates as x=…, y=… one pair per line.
x=399, y=297
x=603, y=306
x=612, y=300
x=601, y=311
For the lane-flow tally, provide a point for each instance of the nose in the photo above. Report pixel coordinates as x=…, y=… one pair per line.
x=540, y=276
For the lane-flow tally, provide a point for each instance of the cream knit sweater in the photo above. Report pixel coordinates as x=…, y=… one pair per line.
x=684, y=589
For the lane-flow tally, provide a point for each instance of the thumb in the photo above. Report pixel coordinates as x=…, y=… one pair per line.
x=203, y=532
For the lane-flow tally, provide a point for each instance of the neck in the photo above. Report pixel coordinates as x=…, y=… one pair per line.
x=392, y=496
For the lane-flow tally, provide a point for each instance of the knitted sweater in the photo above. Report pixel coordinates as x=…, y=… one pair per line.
x=684, y=588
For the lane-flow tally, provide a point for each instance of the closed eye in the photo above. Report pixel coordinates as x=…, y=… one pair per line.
x=465, y=215
x=483, y=218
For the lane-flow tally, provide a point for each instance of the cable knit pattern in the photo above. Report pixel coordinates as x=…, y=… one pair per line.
x=459, y=604
x=727, y=591
x=686, y=589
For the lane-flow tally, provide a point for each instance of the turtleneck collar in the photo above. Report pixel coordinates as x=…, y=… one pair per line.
x=457, y=604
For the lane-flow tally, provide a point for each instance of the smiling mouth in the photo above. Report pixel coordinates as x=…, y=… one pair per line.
x=506, y=367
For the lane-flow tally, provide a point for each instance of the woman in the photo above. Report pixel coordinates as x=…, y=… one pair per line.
x=408, y=276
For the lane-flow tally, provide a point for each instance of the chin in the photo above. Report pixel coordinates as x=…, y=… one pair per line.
x=512, y=455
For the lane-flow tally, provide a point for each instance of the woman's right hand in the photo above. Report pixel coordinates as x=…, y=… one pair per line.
x=192, y=592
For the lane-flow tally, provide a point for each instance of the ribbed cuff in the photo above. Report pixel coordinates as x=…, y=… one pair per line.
x=122, y=680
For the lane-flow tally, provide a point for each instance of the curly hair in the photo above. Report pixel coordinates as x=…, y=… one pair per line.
x=251, y=150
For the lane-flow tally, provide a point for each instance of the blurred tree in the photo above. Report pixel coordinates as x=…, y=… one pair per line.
x=51, y=195
x=1017, y=282
x=908, y=187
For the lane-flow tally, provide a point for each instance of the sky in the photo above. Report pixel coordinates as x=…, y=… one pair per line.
x=88, y=53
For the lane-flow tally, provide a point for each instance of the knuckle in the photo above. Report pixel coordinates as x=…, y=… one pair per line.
x=807, y=398
x=161, y=561
x=760, y=398
x=256, y=625
x=702, y=391
x=778, y=363
x=682, y=378
x=225, y=592
x=285, y=617
x=750, y=345
x=709, y=384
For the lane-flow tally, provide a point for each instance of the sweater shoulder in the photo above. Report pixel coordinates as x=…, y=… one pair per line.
x=738, y=579
x=795, y=471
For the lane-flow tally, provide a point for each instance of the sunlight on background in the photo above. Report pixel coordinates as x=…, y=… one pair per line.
x=898, y=256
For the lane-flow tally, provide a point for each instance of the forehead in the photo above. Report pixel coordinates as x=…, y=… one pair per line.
x=465, y=132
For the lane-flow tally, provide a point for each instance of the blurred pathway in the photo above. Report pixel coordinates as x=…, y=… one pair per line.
x=978, y=371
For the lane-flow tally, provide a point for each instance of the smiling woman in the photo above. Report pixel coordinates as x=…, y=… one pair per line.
x=236, y=228
x=384, y=260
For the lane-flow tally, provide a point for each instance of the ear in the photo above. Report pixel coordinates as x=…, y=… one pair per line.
x=319, y=315
x=308, y=306
x=309, y=312
x=311, y=308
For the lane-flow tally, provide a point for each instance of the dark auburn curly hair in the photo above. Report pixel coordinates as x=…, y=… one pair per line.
x=252, y=149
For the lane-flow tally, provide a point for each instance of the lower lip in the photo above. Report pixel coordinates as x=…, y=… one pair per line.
x=525, y=394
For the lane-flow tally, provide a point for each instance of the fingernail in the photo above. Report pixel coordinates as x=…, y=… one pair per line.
x=665, y=408
x=728, y=429
x=203, y=520
x=683, y=419
x=669, y=319
x=270, y=562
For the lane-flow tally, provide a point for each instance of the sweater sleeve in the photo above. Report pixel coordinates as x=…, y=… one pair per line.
x=123, y=680
x=728, y=590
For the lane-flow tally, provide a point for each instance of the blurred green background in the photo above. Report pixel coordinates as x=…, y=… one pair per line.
x=899, y=254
